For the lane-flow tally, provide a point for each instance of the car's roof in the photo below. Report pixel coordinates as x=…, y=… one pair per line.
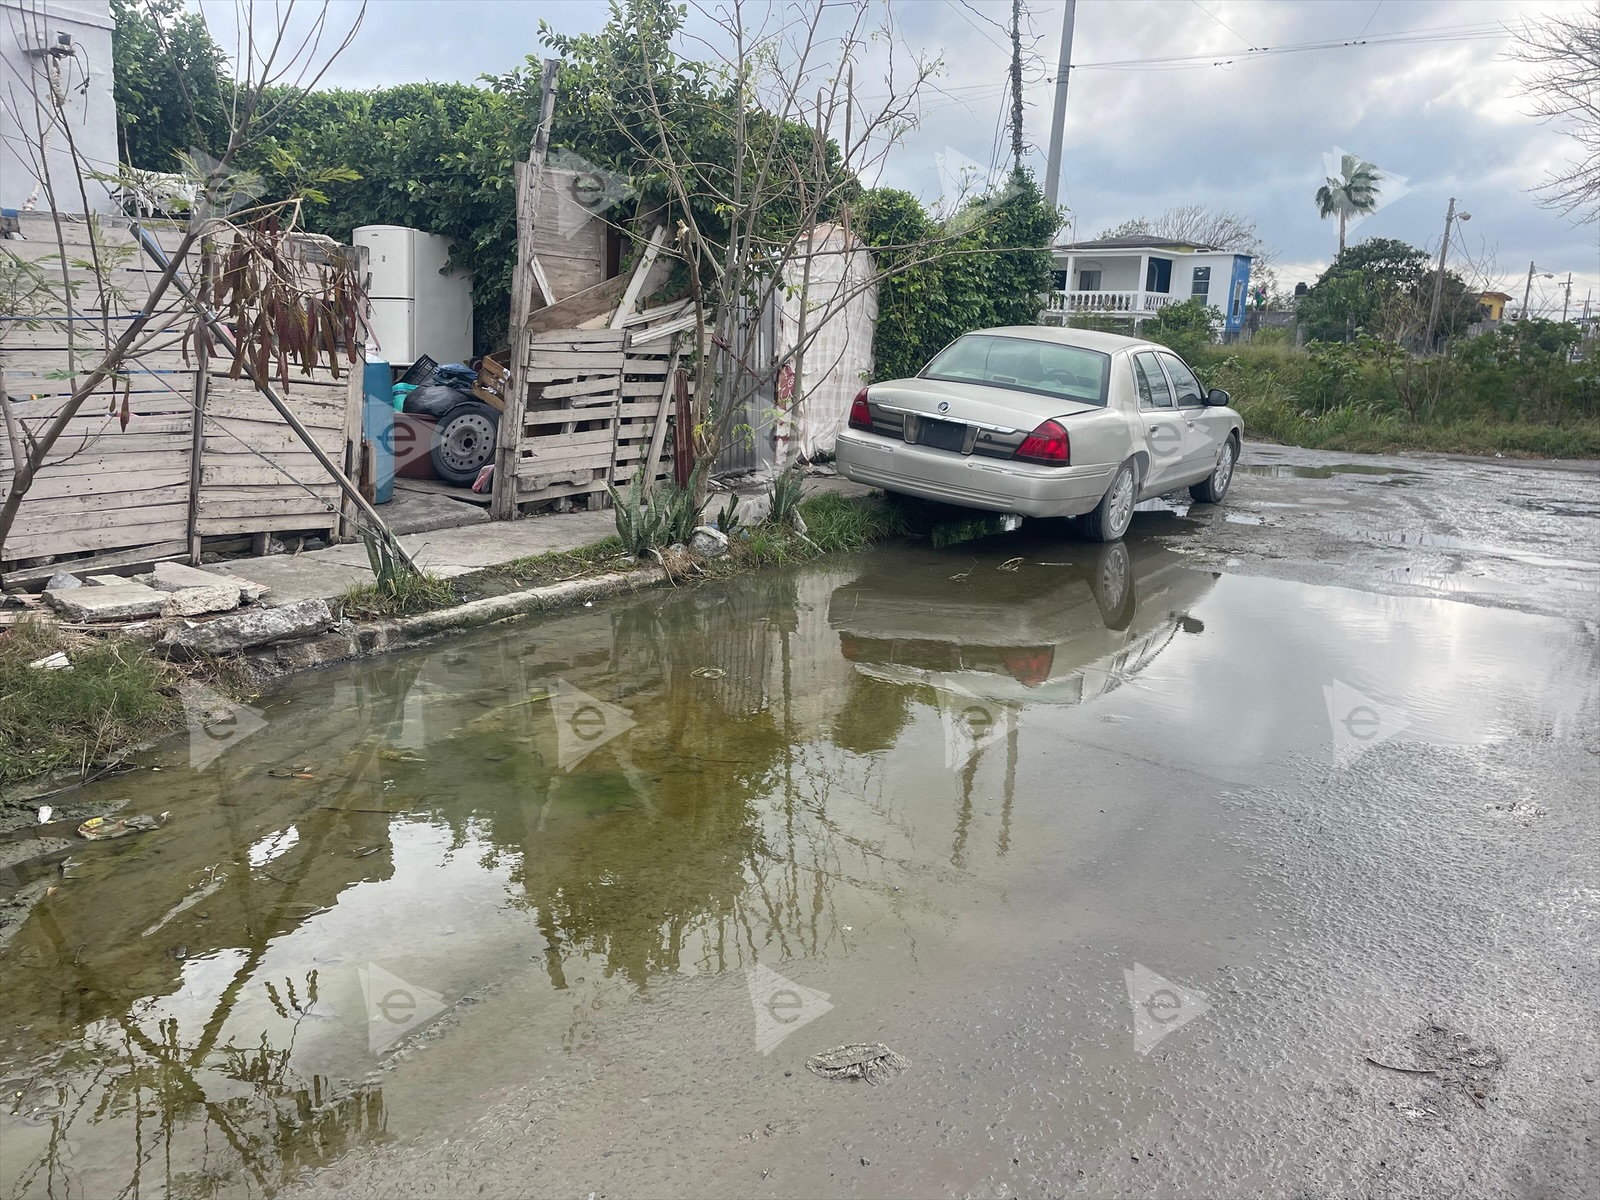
x=1087, y=339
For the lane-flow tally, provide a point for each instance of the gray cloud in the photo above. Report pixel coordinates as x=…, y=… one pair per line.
x=1248, y=136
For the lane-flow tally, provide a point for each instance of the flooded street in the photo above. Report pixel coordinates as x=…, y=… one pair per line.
x=1255, y=855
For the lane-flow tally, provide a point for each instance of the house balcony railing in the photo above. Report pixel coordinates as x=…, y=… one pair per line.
x=1134, y=304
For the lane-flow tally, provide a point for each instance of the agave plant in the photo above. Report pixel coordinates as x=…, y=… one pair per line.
x=786, y=497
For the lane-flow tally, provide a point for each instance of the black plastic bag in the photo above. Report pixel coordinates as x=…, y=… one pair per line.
x=432, y=401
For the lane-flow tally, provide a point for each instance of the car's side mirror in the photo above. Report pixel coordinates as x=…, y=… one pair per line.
x=1217, y=398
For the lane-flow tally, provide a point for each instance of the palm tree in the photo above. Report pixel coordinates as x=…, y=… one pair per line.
x=1353, y=193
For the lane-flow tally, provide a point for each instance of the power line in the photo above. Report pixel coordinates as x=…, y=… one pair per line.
x=1446, y=33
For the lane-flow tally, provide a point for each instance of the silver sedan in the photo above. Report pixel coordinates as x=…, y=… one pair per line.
x=1045, y=422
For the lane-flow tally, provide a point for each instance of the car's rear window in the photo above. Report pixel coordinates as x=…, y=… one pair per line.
x=1024, y=365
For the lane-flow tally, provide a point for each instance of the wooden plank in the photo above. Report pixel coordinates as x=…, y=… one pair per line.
x=564, y=441
x=56, y=541
x=64, y=484
x=242, y=469
x=218, y=526
x=39, y=511
x=641, y=271
x=211, y=507
x=583, y=337
x=567, y=314
x=136, y=556
x=594, y=362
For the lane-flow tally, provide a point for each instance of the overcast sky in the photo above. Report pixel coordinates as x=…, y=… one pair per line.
x=1250, y=135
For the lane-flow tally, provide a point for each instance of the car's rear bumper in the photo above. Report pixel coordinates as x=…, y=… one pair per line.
x=972, y=481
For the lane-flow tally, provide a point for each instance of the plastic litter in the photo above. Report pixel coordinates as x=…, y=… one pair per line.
x=103, y=829
x=52, y=662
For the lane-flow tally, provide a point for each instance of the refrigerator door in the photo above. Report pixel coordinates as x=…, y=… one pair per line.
x=392, y=251
x=394, y=329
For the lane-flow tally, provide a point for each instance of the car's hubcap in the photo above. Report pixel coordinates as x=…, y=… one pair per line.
x=1223, y=475
x=1121, y=502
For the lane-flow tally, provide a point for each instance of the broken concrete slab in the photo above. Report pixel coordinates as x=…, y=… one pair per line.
x=109, y=580
x=121, y=602
x=242, y=630
x=193, y=592
x=217, y=597
x=172, y=577
x=63, y=581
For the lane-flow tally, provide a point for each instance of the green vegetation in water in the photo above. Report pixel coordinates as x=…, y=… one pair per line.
x=400, y=594
x=116, y=695
x=556, y=566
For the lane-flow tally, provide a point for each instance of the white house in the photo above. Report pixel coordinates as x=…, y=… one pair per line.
x=67, y=42
x=1136, y=277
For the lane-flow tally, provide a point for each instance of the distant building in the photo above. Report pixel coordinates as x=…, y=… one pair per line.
x=72, y=40
x=1492, y=305
x=1136, y=277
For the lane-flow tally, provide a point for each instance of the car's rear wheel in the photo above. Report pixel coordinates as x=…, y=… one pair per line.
x=1111, y=517
x=1214, y=486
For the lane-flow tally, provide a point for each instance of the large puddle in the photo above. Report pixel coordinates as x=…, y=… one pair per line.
x=566, y=818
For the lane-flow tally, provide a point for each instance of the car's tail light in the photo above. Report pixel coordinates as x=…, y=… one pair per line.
x=860, y=412
x=1047, y=444
x=1030, y=668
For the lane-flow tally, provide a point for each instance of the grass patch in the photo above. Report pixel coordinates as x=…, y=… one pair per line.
x=835, y=524
x=405, y=593
x=1362, y=432
x=116, y=695
x=558, y=565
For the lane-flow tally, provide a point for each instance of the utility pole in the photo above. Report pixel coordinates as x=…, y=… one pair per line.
x=1058, y=126
x=1438, y=279
x=1526, y=291
x=1016, y=85
x=1566, y=300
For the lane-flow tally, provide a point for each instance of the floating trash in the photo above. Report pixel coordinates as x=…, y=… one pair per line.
x=860, y=1060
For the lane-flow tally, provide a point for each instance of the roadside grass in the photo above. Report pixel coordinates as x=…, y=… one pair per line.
x=557, y=566
x=1274, y=419
x=834, y=524
x=405, y=593
x=116, y=695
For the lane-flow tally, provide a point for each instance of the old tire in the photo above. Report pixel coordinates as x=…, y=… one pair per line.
x=463, y=444
x=1214, y=486
x=1112, y=516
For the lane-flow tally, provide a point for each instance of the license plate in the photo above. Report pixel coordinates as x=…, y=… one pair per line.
x=941, y=435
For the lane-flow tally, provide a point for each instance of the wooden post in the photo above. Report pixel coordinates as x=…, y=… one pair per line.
x=508, y=446
x=658, y=431
x=197, y=450
x=683, y=431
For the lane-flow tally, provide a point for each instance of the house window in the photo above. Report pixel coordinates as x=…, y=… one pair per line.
x=1202, y=282
x=1238, y=297
x=1060, y=279
x=1158, y=276
x=1088, y=281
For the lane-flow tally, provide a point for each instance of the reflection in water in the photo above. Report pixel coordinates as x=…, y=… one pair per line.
x=770, y=771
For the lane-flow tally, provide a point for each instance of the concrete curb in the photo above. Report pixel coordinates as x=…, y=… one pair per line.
x=555, y=595
x=352, y=640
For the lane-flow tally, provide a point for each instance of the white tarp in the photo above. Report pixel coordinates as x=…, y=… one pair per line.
x=836, y=282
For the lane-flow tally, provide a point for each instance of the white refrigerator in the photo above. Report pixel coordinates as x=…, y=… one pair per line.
x=418, y=307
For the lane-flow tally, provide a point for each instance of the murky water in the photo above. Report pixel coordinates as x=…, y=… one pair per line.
x=1299, y=471
x=840, y=773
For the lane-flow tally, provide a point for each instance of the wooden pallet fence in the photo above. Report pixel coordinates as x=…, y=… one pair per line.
x=105, y=488
x=590, y=415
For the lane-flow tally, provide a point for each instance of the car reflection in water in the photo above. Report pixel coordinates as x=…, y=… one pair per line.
x=1069, y=622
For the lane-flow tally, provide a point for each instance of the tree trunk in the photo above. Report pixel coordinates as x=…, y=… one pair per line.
x=1341, y=230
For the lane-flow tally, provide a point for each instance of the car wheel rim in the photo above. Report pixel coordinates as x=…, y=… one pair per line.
x=1121, y=502
x=468, y=442
x=1114, y=580
x=1223, y=475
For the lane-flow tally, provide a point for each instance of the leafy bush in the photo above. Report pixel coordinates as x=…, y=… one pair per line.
x=1187, y=328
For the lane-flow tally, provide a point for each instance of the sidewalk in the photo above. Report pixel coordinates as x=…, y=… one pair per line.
x=447, y=552
x=451, y=539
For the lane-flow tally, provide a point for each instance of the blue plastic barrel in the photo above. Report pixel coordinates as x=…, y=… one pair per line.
x=377, y=424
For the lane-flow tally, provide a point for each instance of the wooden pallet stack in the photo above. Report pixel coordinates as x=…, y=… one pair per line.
x=591, y=414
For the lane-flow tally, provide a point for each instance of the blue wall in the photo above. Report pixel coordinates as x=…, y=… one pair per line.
x=1238, y=297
